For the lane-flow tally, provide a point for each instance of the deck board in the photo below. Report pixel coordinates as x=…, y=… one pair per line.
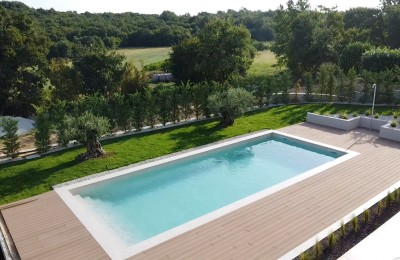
x=266, y=229
x=45, y=228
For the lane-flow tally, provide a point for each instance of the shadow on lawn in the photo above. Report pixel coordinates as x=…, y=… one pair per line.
x=201, y=135
x=29, y=178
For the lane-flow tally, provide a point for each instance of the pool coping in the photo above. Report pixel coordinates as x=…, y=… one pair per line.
x=104, y=237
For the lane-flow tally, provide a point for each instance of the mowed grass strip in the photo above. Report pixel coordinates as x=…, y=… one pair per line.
x=147, y=55
x=24, y=179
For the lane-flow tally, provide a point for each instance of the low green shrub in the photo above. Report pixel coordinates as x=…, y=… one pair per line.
x=318, y=248
x=304, y=256
x=342, y=229
x=368, y=112
x=390, y=198
x=343, y=115
x=354, y=223
x=379, y=209
x=355, y=114
x=332, y=239
x=376, y=115
x=393, y=124
x=367, y=215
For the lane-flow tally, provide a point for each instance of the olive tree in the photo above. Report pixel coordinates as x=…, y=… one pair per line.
x=86, y=129
x=229, y=103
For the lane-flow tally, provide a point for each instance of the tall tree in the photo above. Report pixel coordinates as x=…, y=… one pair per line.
x=42, y=129
x=351, y=75
x=133, y=79
x=66, y=80
x=392, y=21
x=23, y=50
x=101, y=71
x=220, y=50
x=305, y=39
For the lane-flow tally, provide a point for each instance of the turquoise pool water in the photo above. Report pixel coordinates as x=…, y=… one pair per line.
x=144, y=204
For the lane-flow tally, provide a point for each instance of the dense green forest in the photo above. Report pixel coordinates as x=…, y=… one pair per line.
x=133, y=29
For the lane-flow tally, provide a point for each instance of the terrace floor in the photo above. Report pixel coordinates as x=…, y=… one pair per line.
x=43, y=227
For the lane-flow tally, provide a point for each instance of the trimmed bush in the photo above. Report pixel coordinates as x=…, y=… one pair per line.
x=11, y=144
x=352, y=56
x=380, y=59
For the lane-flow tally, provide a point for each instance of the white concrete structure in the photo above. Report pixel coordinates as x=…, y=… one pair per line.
x=382, y=244
x=25, y=125
x=383, y=126
x=388, y=132
x=333, y=122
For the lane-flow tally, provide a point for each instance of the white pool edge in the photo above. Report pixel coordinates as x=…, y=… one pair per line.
x=107, y=239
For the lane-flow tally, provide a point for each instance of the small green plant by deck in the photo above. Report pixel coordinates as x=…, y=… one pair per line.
x=355, y=114
x=393, y=124
x=342, y=229
x=11, y=143
x=379, y=209
x=368, y=112
x=304, y=256
x=389, y=198
x=318, y=248
x=332, y=239
x=354, y=223
x=376, y=115
x=367, y=215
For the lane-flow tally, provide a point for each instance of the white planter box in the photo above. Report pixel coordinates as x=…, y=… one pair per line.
x=373, y=123
x=383, y=126
x=334, y=122
x=388, y=132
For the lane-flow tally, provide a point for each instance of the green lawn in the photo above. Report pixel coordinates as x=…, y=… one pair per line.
x=148, y=55
x=24, y=179
x=264, y=63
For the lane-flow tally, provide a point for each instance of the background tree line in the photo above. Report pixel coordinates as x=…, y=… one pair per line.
x=111, y=30
x=363, y=38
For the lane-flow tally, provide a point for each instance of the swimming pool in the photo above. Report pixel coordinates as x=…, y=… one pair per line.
x=141, y=207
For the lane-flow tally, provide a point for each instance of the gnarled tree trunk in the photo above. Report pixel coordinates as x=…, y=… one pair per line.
x=93, y=147
x=227, y=119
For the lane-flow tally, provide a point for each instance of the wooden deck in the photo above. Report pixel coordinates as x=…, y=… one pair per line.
x=43, y=227
x=265, y=229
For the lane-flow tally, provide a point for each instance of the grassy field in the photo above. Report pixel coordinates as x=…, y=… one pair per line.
x=24, y=179
x=148, y=55
x=263, y=63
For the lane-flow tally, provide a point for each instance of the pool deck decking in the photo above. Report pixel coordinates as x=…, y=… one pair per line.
x=43, y=227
